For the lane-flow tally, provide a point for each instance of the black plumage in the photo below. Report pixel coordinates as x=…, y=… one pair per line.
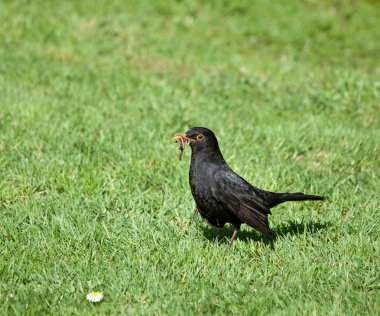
x=222, y=196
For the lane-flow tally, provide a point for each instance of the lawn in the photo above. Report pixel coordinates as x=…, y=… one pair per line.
x=93, y=197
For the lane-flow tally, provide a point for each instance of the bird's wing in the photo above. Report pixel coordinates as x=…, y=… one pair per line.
x=240, y=198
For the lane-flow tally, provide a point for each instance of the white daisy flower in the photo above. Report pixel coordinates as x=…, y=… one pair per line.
x=94, y=296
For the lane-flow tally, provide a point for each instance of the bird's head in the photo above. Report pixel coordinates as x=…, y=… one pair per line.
x=199, y=138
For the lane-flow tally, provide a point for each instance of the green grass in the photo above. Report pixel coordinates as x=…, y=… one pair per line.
x=93, y=197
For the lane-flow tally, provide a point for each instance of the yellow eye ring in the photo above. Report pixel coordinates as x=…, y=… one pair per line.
x=200, y=137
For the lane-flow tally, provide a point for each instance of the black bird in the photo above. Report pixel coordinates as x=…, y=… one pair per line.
x=222, y=196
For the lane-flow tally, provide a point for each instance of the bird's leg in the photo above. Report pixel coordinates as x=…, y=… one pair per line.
x=217, y=238
x=234, y=235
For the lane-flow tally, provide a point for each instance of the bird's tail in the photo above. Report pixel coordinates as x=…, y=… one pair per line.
x=285, y=197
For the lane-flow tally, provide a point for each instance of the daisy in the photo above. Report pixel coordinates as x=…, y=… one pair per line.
x=95, y=296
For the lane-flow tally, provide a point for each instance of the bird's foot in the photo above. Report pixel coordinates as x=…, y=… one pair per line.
x=216, y=240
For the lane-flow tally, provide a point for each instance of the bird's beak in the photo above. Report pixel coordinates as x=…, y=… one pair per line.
x=179, y=137
x=183, y=140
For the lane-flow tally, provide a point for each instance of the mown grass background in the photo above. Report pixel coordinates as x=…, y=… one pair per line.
x=93, y=196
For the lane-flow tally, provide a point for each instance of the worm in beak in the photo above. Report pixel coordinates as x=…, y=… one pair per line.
x=183, y=140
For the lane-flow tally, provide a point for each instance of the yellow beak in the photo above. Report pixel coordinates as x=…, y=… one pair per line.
x=179, y=136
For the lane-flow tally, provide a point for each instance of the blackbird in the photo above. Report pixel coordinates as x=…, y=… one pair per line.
x=222, y=196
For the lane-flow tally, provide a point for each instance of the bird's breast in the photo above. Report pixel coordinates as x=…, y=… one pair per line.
x=201, y=183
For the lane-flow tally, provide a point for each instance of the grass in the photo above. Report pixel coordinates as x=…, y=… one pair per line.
x=93, y=197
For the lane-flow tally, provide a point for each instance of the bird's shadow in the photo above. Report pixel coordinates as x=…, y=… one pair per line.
x=283, y=229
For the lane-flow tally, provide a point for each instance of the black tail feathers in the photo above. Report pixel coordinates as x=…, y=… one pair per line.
x=285, y=197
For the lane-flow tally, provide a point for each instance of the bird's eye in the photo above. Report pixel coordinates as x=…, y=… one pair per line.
x=200, y=137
